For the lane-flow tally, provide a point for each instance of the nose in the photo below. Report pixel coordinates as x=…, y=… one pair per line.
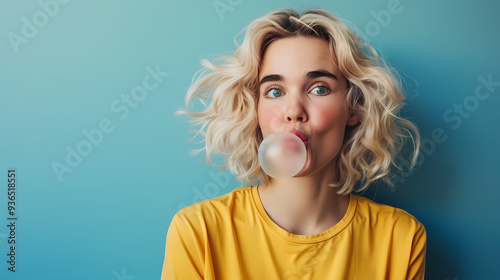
x=294, y=109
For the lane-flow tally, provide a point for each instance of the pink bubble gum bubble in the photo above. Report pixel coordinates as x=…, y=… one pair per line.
x=282, y=155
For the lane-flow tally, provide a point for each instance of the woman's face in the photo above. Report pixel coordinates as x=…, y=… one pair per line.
x=302, y=89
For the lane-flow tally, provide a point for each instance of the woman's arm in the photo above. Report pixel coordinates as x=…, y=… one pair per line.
x=182, y=253
x=416, y=269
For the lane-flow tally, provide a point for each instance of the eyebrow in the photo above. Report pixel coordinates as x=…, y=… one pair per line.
x=321, y=73
x=310, y=75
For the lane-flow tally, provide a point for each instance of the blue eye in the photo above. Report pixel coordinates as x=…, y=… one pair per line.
x=274, y=92
x=322, y=90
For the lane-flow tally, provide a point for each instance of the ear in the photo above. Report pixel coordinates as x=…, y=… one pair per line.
x=352, y=120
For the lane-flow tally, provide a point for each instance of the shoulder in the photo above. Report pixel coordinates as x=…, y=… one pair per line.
x=396, y=234
x=214, y=209
x=388, y=217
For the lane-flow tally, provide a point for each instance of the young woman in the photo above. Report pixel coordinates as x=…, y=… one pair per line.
x=309, y=75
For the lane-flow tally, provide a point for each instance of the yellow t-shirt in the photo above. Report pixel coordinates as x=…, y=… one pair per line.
x=231, y=237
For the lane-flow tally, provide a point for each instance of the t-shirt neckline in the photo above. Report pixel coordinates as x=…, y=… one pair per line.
x=312, y=238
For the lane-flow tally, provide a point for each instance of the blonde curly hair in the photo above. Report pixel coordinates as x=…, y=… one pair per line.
x=229, y=123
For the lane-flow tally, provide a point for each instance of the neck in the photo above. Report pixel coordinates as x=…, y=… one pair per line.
x=304, y=205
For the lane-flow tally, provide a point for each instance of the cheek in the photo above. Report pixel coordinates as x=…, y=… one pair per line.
x=330, y=125
x=269, y=120
x=330, y=117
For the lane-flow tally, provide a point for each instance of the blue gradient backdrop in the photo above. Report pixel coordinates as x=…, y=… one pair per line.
x=67, y=67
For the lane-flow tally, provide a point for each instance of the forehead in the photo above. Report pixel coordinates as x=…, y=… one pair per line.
x=297, y=54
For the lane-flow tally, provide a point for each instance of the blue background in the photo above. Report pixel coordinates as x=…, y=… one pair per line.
x=108, y=217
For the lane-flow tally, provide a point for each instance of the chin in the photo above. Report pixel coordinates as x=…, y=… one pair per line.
x=303, y=172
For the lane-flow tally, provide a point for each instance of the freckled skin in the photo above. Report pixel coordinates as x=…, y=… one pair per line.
x=301, y=104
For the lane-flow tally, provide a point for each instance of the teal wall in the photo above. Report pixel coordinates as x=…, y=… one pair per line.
x=69, y=68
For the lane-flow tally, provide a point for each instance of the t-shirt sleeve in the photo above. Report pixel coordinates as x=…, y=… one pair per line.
x=183, y=253
x=416, y=269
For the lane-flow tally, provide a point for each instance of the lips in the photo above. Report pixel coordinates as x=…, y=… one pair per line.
x=299, y=134
x=292, y=145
